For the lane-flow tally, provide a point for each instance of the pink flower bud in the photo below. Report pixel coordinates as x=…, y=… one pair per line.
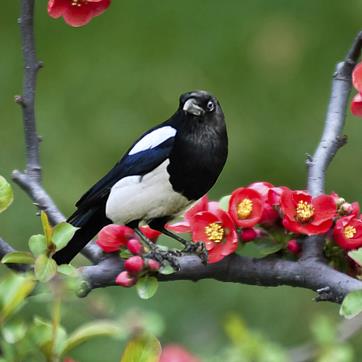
x=153, y=265
x=135, y=246
x=125, y=280
x=293, y=246
x=248, y=234
x=134, y=264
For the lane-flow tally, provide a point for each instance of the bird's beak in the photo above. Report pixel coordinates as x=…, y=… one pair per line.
x=192, y=107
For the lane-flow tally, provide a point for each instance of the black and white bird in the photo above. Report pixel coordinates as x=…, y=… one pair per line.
x=164, y=171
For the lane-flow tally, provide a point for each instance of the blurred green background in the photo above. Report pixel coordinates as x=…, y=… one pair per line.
x=270, y=65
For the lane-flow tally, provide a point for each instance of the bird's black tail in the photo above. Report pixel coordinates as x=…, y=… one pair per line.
x=89, y=223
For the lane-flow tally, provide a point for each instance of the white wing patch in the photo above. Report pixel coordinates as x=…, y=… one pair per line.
x=153, y=139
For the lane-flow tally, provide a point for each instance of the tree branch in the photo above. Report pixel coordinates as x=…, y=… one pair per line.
x=330, y=284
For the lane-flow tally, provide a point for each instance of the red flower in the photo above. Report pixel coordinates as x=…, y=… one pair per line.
x=246, y=207
x=270, y=197
x=184, y=226
x=112, y=237
x=356, y=105
x=348, y=232
x=217, y=231
x=77, y=12
x=306, y=215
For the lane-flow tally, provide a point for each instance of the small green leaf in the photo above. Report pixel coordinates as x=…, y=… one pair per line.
x=62, y=234
x=47, y=228
x=125, y=254
x=352, y=304
x=146, y=287
x=142, y=348
x=91, y=330
x=6, y=194
x=38, y=244
x=45, y=268
x=267, y=247
x=224, y=202
x=356, y=255
x=67, y=269
x=166, y=269
x=14, y=288
x=18, y=257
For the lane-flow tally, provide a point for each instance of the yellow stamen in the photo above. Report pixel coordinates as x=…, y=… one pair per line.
x=305, y=211
x=349, y=232
x=214, y=232
x=245, y=208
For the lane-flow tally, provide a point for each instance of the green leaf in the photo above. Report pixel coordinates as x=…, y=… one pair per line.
x=14, y=288
x=224, y=202
x=166, y=269
x=91, y=330
x=146, y=287
x=142, y=348
x=38, y=244
x=62, y=234
x=18, y=257
x=125, y=254
x=6, y=194
x=352, y=304
x=68, y=270
x=267, y=247
x=44, y=268
x=356, y=255
x=47, y=228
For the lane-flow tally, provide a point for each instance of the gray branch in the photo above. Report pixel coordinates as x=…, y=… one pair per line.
x=328, y=283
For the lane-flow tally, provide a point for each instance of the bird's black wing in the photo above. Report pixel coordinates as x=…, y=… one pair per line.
x=139, y=163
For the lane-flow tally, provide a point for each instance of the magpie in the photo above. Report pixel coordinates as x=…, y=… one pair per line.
x=164, y=171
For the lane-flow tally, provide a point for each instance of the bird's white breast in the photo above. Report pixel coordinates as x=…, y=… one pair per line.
x=144, y=198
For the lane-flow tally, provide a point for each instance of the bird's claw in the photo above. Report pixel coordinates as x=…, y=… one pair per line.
x=163, y=256
x=197, y=248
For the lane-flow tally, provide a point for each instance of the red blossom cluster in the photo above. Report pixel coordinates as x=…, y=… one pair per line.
x=114, y=238
x=77, y=12
x=257, y=212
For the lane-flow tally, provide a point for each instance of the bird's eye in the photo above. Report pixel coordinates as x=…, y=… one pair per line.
x=210, y=106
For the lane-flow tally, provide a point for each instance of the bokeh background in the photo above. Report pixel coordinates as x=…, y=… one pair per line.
x=270, y=65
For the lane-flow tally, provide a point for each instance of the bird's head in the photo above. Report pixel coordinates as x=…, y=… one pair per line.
x=201, y=105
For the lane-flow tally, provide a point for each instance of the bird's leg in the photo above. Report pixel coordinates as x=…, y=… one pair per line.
x=191, y=247
x=155, y=252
